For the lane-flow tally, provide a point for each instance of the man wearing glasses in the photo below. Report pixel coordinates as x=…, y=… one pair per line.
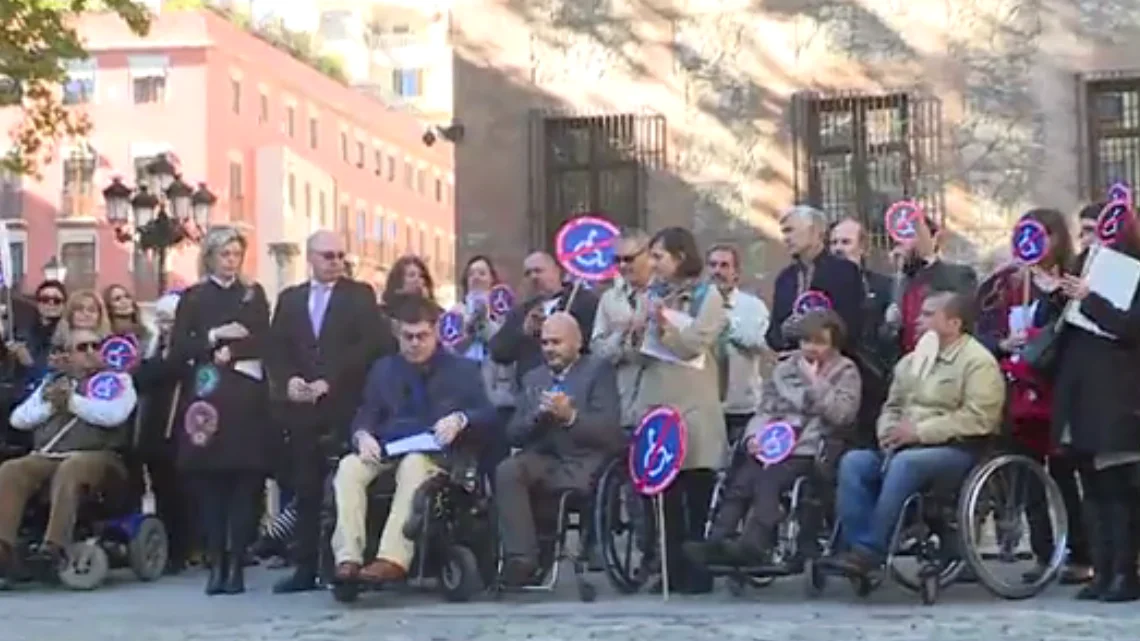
x=77, y=419
x=325, y=334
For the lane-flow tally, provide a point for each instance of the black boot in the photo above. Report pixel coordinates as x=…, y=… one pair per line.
x=1125, y=585
x=1100, y=549
x=216, y=583
x=235, y=575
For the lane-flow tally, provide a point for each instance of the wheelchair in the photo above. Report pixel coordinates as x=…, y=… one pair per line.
x=111, y=533
x=950, y=532
x=586, y=515
x=455, y=544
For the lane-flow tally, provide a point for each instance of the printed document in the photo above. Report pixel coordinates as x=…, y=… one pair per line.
x=652, y=346
x=422, y=442
x=1112, y=275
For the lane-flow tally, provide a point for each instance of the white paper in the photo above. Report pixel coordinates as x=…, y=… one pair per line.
x=422, y=442
x=1021, y=318
x=251, y=368
x=652, y=346
x=1112, y=275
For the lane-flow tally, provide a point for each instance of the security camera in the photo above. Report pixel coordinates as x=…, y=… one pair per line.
x=451, y=133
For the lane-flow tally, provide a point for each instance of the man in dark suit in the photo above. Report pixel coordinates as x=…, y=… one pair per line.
x=325, y=335
x=813, y=268
x=568, y=421
x=517, y=342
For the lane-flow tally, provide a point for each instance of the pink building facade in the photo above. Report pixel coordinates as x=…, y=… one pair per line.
x=286, y=149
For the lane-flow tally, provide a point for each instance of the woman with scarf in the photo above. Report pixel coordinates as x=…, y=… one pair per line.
x=686, y=318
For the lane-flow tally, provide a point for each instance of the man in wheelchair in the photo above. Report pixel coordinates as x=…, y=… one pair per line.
x=415, y=405
x=78, y=422
x=944, y=406
x=815, y=391
x=566, y=425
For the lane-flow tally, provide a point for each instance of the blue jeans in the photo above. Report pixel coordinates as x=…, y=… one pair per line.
x=871, y=500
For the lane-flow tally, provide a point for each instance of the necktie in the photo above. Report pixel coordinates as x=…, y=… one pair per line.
x=317, y=307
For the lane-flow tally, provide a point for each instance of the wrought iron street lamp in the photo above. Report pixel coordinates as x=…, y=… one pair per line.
x=178, y=213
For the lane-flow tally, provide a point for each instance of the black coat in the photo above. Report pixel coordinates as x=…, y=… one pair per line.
x=1097, y=389
x=837, y=277
x=353, y=335
x=243, y=438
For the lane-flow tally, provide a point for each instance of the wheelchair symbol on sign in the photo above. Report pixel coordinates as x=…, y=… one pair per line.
x=658, y=453
x=589, y=258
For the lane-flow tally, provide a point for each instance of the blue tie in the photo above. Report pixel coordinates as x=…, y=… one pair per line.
x=317, y=305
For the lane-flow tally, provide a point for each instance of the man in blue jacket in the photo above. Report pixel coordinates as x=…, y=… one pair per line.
x=423, y=391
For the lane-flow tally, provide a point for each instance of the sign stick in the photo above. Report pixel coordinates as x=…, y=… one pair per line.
x=573, y=294
x=659, y=503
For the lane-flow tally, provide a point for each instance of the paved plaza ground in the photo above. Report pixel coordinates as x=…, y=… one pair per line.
x=176, y=610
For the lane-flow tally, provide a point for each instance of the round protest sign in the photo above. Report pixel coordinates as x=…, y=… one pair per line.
x=585, y=248
x=810, y=300
x=1030, y=241
x=451, y=328
x=901, y=220
x=776, y=443
x=1111, y=221
x=1120, y=191
x=105, y=386
x=657, y=450
x=500, y=301
x=119, y=353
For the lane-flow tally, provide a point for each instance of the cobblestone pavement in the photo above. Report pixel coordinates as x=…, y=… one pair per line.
x=176, y=610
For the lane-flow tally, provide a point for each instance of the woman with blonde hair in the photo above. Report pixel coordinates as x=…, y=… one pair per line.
x=84, y=310
x=223, y=435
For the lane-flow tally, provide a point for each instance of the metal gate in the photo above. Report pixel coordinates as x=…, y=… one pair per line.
x=855, y=154
x=591, y=164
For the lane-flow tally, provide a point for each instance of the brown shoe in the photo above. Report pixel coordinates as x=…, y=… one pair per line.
x=347, y=571
x=383, y=571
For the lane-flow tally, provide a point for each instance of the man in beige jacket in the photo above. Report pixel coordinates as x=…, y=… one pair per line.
x=944, y=405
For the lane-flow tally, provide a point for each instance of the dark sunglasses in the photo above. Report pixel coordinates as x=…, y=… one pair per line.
x=50, y=300
x=331, y=255
x=86, y=346
x=625, y=259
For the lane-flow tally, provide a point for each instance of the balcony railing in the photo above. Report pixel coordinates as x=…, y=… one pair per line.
x=390, y=41
x=78, y=203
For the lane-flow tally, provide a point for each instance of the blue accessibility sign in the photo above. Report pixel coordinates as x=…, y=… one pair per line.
x=120, y=353
x=1030, y=241
x=657, y=451
x=585, y=248
x=900, y=220
x=775, y=442
x=105, y=386
x=809, y=301
x=1111, y=220
x=1120, y=191
x=500, y=301
x=451, y=328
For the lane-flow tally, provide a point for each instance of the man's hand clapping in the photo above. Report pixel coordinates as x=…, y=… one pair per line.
x=448, y=428
x=58, y=393
x=368, y=447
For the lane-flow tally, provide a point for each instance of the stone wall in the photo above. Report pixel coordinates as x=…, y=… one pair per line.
x=724, y=72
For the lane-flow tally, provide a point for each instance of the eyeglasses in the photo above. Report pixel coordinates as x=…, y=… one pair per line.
x=86, y=346
x=625, y=259
x=49, y=300
x=331, y=255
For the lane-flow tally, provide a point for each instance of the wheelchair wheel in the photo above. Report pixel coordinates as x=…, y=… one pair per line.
x=932, y=550
x=459, y=574
x=1000, y=498
x=86, y=567
x=148, y=549
x=624, y=529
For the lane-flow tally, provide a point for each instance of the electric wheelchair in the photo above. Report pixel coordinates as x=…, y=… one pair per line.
x=455, y=540
x=111, y=532
x=950, y=532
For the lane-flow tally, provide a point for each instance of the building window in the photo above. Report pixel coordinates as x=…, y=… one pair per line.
x=408, y=83
x=79, y=258
x=409, y=240
x=1113, y=133
x=11, y=195
x=308, y=201
x=437, y=256
x=421, y=181
x=361, y=229
x=378, y=157
x=235, y=95
x=359, y=154
x=409, y=175
x=423, y=244
x=263, y=109
x=322, y=210
x=864, y=152
x=313, y=140
x=291, y=121
x=78, y=183
x=391, y=169
x=291, y=191
x=342, y=225
x=237, y=192
x=394, y=236
x=438, y=190
x=18, y=251
x=79, y=88
x=344, y=146
x=148, y=78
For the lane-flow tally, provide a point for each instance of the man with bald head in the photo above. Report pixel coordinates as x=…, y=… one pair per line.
x=517, y=342
x=567, y=423
x=325, y=334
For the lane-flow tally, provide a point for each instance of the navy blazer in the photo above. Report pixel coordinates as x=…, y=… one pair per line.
x=837, y=277
x=401, y=399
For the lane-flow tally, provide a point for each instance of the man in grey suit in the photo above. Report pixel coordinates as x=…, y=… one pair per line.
x=566, y=424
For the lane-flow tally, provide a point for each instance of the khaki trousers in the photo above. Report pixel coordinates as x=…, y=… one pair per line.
x=70, y=476
x=350, y=485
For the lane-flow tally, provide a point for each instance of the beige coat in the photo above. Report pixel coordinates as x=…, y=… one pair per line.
x=611, y=342
x=695, y=393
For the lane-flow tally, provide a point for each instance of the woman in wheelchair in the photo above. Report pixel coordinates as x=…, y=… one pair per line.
x=816, y=391
x=78, y=423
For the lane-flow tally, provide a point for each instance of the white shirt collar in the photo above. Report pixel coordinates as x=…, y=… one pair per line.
x=224, y=284
x=316, y=284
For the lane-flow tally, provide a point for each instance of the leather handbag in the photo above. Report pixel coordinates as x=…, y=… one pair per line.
x=1040, y=351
